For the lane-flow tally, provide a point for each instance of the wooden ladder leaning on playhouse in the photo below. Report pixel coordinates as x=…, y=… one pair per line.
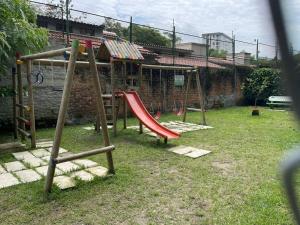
x=55, y=158
x=19, y=108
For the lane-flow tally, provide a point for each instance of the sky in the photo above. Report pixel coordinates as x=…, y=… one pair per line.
x=247, y=19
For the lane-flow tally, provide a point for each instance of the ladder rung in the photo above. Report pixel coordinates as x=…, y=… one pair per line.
x=27, y=122
x=26, y=107
x=28, y=135
x=84, y=154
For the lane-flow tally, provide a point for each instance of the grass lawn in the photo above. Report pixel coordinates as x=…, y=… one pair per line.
x=237, y=183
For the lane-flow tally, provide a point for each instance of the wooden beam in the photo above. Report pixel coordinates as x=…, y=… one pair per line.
x=113, y=98
x=31, y=105
x=58, y=62
x=62, y=115
x=186, y=95
x=84, y=154
x=43, y=55
x=99, y=103
x=166, y=67
x=20, y=99
x=24, y=132
x=14, y=98
x=201, y=97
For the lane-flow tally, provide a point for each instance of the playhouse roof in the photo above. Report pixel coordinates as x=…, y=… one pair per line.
x=120, y=50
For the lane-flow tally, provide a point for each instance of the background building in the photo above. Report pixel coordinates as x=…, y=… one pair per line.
x=219, y=41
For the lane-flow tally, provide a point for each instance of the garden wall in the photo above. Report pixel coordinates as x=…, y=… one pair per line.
x=47, y=96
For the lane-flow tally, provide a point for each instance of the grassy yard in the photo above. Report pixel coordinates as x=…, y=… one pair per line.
x=237, y=183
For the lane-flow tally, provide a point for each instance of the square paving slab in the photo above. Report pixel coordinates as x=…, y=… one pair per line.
x=44, y=144
x=34, y=162
x=61, y=150
x=99, y=171
x=181, y=149
x=40, y=152
x=7, y=179
x=27, y=176
x=197, y=153
x=64, y=182
x=82, y=175
x=2, y=170
x=44, y=169
x=14, y=166
x=86, y=163
x=67, y=167
x=22, y=155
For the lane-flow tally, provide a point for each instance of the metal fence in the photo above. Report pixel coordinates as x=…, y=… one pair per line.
x=171, y=39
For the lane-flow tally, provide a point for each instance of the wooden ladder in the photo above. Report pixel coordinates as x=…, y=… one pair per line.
x=22, y=111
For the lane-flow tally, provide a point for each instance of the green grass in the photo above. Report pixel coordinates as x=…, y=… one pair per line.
x=238, y=183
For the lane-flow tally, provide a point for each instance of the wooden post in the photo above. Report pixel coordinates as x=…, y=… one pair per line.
x=201, y=98
x=61, y=115
x=20, y=99
x=99, y=103
x=31, y=104
x=125, y=113
x=186, y=95
x=140, y=82
x=14, y=86
x=113, y=99
x=141, y=127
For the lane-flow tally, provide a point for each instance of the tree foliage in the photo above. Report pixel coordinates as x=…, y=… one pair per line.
x=261, y=84
x=18, y=31
x=140, y=34
x=217, y=53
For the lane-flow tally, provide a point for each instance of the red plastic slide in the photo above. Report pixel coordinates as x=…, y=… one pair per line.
x=137, y=107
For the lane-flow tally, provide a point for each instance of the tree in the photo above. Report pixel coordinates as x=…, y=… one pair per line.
x=140, y=34
x=261, y=84
x=217, y=53
x=18, y=31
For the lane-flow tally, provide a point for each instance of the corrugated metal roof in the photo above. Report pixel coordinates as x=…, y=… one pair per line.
x=187, y=61
x=123, y=50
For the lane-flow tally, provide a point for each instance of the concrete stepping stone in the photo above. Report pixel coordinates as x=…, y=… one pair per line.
x=44, y=144
x=82, y=175
x=88, y=128
x=34, y=161
x=44, y=169
x=27, y=176
x=46, y=158
x=197, y=153
x=67, y=167
x=99, y=171
x=7, y=180
x=61, y=150
x=14, y=166
x=22, y=155
x=64, y=182
x=86, y=163
x=181, y=149
x=2, y=170
x=40, y=152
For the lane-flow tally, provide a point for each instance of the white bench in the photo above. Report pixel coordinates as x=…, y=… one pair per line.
x=279, y=101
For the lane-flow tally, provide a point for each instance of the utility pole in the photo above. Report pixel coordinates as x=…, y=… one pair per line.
x=234, y=66
x=130, y=30
x=173, y=43
x=67, y=22
x=257, y=51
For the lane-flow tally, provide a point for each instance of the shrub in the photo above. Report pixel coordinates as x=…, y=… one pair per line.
x=261, y=84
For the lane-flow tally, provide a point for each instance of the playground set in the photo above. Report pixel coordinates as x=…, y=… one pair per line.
x=111, y=54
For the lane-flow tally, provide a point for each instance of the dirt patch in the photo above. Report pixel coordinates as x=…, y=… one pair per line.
x=225, y=167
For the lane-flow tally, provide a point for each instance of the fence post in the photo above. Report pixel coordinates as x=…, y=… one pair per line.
x=130, y=30
x=257, y=52
x=234, y=67
x=67, y=22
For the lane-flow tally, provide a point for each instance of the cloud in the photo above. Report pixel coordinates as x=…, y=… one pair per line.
x=248, y=19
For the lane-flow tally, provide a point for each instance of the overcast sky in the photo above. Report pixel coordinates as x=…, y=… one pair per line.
x=248, y=19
